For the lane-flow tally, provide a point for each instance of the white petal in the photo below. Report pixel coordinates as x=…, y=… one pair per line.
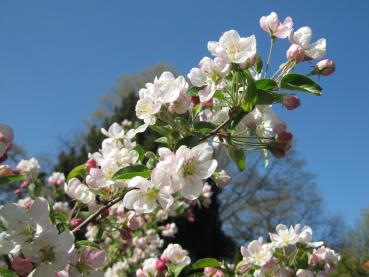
x=165, y=200
x=197, y=77
x=130, y=198
x=65, y=242
x=192, y=189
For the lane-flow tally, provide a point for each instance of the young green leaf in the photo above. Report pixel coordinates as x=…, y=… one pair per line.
x=7, y=273
x=132, y=171
x=189, y=141
x=85, y=243
x=266, y=84
x=238, y=157
x=206, y=262
x=194, y=91
x=77, y=171
x=204, y=127
x=5, y=180
x=300, y=82
x=140, y=151
x=250, y=93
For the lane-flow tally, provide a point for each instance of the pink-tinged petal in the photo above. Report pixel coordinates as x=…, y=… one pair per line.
x=165, y=200
x=130, y=198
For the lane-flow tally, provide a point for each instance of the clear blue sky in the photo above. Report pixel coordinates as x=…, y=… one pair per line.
x=58, y=57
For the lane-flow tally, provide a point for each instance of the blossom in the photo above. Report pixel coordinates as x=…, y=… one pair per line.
x=285, y=236
x=291, y=102
x=257, y=253
x=76, y=190
x=222, y=178
x=28, y=167
x=326, y=67
x=22, y=225
x=302, y=37
x=57, y=179
x=272, y=25
x=210, y=74
x=50, y=253
x=193, y=166
x=295, y=52
x=234, y=48
x=6, y=141
x=148, y=268
x=145, y=196
x=170, y=230
x=182, y=103
x=304, y=273
x=176, y=254
x=22, y=266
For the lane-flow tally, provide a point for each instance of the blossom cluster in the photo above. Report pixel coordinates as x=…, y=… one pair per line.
x=121, y=202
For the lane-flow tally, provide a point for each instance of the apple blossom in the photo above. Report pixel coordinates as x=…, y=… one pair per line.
x=28, y=167
x=6, y=140
x=285, y=236
x=257, y=253
x=222, y=178
x=145, y=196
x=304, y=273
x=209, y=74
x=22, y=266
x=176, y=255
x=234, y=48
x=295, y=52
x=170, y=229
x=326, y=67
x=302, y=37
x=57, y=179
x=50, y=253
x=272, y=25
x=193, y=166
x=291, y=102
x=76, y=190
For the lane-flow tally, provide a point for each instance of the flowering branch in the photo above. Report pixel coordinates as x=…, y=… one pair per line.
x=97, y=213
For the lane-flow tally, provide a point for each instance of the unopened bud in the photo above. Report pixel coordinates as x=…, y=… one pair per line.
x=326, y=67
x=91, y=163
x=295, y=52
x=291, y=102
x=74, y=222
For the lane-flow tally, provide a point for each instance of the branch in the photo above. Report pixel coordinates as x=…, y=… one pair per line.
x=97, y=213
x=216, y=130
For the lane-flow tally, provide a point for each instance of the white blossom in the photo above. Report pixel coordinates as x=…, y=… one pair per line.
x=257, y=253
x=76, y=190
x=303, y=37
x=176, y=254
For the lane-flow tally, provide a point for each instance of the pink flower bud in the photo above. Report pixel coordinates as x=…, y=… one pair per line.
x=95, y=258
x=18, y=192
x=164, y=259
x=195, y=100
x=191, y=216
x=126, y=234
x=160, y=265
x=4, y=157
x=279, y=127
x=295, y=52
x=209, y=271
x=291, y=102
x=133, y=221
x=326, y=67
x=22, y=266
x=208, y=103
x=172, y=108
x=25, y=184
x=74, y=222
x=278, y=153
x=91, y=163
x=284, y=137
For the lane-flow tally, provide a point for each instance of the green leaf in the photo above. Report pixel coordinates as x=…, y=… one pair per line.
x=7, y=273
x=265, y=97
x=300, y=82
x=177, y=269
x=266, y=84
x=238, y=157
x=250, y=93
x=194, y=91
x=183, y=123
x=85, y=243
x=77, y=171
x=5, y=180
x=195, y=110
x=140, y=151
x=189, y=141
x=207, y=262
x=204, y=127
x=219, y=95
x=301, y=259
x=162, y=140
x=132, y=171
x=259, y=63
x=160, y=129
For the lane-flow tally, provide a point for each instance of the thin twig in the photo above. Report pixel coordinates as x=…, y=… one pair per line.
x=97, y=213
x=216, y=130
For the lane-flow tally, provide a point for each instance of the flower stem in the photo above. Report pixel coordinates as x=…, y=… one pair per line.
x=272, y=41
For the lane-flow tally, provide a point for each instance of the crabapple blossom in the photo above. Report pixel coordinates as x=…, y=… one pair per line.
x=326, y=67
x=234, y=48
x=210, y=74
x=28, y=167
x=257, y=253
x=50, y=253
x=22, y=266
x=170, y=229
x=272, y=25
x=285, y=236
x=302, y=37
x=304, y=273
x=295, y=52
x=145, y=196
x=76, y=190
x=6, y=170
x=57, y=179
x=193, y=166
x=176, y=254
x=6, y=140
x=222, y=178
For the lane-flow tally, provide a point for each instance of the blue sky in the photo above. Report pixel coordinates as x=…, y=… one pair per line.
x=58, y=57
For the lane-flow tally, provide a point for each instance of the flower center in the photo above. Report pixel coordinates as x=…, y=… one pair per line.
x=47, y=254
x=189, y=168
x=233, y=50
